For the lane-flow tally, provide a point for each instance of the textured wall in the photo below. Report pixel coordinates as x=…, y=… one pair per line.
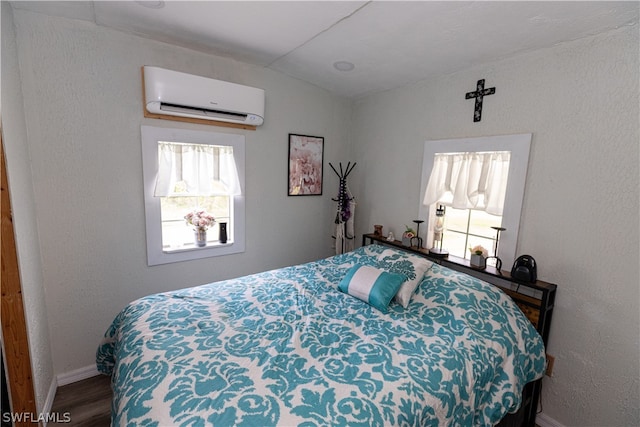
x=580, y=214
x=83, y=102
x=24, y=212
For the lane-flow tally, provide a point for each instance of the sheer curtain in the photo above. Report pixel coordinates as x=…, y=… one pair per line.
x=469, y=180
x=196, y=170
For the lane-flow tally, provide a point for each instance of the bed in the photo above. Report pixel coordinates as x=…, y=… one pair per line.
x=303, y=345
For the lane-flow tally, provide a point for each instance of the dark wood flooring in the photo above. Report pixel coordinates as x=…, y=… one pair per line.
x=88, y=403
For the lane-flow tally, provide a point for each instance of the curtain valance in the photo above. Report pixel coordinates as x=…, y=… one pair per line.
x=469, y=180
x=196, y=170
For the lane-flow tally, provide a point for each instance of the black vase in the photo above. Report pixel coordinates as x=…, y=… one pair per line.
x=223, y=232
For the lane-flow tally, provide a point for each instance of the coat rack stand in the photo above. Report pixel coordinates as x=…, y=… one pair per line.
x=345, y=234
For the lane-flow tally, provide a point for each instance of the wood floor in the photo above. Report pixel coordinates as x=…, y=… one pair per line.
x=87, y=402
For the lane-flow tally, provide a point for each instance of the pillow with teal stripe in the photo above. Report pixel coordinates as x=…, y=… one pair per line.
x=371, y=285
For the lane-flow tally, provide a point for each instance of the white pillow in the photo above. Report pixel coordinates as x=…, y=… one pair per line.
x=411, y=266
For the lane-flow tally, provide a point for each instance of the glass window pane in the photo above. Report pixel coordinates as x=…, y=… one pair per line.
x=176, y=233
x=465, y=228
x=175, y=208
x=218, y=206
x=456, y=219
x=454, y=243
x=481, y=223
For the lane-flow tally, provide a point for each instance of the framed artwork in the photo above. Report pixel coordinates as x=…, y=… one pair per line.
x=305, y=165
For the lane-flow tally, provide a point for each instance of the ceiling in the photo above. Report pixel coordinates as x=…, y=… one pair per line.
x=390, y=43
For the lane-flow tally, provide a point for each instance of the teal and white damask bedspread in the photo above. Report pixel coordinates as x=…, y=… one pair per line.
x=286, y=347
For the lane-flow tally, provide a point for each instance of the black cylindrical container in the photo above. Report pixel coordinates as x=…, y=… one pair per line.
x=223, y=232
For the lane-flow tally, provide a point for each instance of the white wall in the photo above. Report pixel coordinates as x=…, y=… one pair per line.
x=83, y=104
x=580, y=214
x=24, y=213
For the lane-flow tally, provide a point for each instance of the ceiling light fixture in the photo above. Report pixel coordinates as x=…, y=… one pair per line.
x=158, y=4
x=343, y=66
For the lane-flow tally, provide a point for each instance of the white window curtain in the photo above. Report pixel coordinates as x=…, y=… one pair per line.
x=196, y=170
x=469, y=180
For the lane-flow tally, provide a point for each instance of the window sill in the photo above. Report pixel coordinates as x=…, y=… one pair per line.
x=191, y=248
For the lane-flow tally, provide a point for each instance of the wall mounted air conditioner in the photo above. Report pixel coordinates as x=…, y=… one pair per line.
x=172, y=93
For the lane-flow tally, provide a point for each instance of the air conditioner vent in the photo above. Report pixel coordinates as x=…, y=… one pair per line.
x=217, y=114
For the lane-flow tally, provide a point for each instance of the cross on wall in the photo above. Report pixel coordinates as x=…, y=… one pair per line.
x=479, y=94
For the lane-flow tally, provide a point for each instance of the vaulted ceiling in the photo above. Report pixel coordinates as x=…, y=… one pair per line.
x=386, y=43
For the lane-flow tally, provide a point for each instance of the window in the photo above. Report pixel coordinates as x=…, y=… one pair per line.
x=186, y=171
x=194, y=178
x=474, y=209
x=466, y=228
x=472, y=185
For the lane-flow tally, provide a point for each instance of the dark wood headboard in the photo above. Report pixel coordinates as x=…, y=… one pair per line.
x=536, y=300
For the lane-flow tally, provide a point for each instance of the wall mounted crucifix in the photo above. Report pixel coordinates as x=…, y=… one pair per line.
x=480, y=93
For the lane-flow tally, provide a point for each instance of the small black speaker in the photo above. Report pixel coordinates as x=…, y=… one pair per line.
x=222, y=236
x=525, y=269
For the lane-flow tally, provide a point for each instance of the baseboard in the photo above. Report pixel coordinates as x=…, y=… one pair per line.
x=544, y=420
x=77, y=375
x=51, y=395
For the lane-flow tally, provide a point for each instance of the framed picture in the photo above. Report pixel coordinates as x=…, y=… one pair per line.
x=305, y=165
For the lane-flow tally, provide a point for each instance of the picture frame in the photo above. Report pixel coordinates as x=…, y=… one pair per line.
x=306, y=165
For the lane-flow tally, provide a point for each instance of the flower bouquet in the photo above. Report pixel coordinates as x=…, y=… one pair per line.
x=200, y=220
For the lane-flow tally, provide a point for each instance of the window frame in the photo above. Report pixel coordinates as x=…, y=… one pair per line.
x=519, y=145
x=150, y=135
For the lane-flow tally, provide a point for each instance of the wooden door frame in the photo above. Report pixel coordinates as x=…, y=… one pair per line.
x=14, y=326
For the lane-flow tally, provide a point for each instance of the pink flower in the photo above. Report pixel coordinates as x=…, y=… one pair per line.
x=200, y=219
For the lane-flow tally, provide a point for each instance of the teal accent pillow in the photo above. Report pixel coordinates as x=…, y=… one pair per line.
x=371, y=285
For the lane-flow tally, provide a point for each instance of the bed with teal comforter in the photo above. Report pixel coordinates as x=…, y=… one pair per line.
x=287, y=347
